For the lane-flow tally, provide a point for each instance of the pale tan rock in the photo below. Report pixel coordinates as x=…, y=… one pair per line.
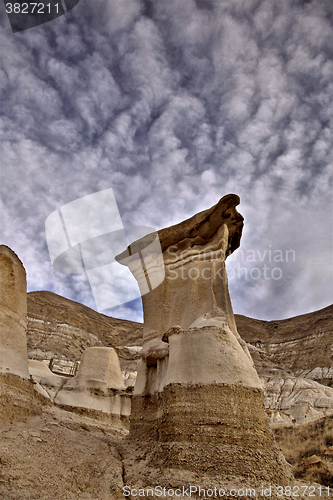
x=39, y=370
x=129, y=379
x=100, y=367
x=198, y=399
x=313, y=460
x=195, y=281
x=98, y=385
x=40, y=389
x=193, y=295
x=155, y=350
x=13, y=314
x=208, y=355
x=294, y=400
x=45, y=381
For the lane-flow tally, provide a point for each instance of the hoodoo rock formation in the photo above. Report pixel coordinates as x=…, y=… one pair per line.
x=282, y=351
x=98, y=385
x=13, y=315
x=198, y=398
x=198, y=419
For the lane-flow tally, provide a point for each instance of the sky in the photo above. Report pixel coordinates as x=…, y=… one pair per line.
x=173, y=104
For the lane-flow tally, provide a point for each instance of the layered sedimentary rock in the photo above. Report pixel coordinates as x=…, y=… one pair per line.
x=293, y=358
x=294, y=400
x=301, y=346
x=13, y=314
x=197, y=395
x=61, y=328
x=98, y=384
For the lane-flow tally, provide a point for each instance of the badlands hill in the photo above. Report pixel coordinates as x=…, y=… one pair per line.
x=298, y=347
x=301, y=345
x=293, y=357
x=61, y=327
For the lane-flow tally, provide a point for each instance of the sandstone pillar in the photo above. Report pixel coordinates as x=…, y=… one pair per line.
x=100, y=367
x=13, y=314
x=98, y=385
x=198, y=396
x=194, y=293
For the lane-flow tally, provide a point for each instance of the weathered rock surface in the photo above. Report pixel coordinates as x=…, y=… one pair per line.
x=13, y=314
x=292, y=400
x=194, y=293
x=293, y=357
x=98, y=385
x=257, y=333
x=61, y=328
x=195, y=284
x=198, y=397
x=302, y=346
x=45, y=381
x=49, y=454
x=208, y=355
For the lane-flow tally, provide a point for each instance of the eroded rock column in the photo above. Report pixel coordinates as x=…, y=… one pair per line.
x=13, y=314
x=198, y=395
x=98, y=385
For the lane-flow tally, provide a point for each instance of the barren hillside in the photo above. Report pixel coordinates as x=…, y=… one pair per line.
x=63, y=328
x=300, y=346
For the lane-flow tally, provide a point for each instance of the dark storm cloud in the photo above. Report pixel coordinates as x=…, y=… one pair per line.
x=174, y=104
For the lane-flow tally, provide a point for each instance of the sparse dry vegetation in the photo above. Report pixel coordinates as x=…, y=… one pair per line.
x=309, y=449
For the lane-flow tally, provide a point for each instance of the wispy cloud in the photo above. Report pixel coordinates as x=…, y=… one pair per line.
x=173, y=105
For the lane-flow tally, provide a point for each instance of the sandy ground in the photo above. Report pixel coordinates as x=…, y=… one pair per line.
x=48, y=453
x=52, y=454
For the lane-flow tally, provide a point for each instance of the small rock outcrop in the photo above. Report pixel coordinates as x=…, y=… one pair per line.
x=13, y=315
x=45, y=381
x=198, y=398
x=98, y=385
x=292, y=400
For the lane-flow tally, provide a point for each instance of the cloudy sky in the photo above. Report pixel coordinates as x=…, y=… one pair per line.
x=173, y=104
